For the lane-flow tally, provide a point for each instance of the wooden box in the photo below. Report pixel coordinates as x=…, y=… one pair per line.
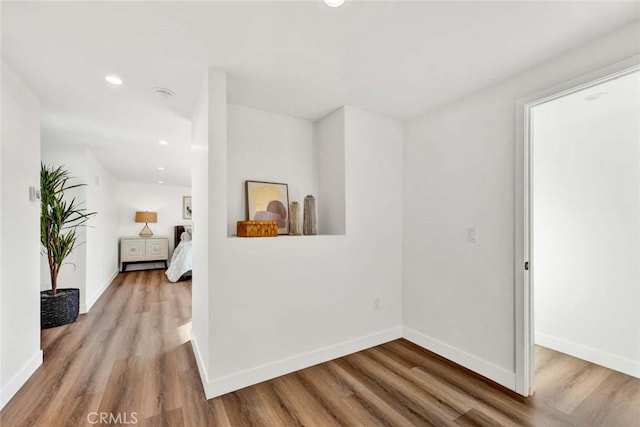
x=257, y=228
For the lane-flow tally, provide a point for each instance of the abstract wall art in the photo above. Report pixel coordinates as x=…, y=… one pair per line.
x=268, y=201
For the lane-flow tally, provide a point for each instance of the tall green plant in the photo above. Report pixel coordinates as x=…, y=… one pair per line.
x=59, y=218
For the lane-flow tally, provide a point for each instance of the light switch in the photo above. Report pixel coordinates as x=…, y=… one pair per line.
x=34, y=193
x=472, y=235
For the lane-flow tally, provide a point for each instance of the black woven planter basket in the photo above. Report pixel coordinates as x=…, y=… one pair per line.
x=59, y=310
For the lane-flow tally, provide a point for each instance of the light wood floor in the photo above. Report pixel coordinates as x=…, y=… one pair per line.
x=132, y=354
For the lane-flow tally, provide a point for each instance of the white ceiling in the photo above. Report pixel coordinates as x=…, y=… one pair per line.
x=299, y=58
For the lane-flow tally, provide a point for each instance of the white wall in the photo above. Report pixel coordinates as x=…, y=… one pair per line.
x=330, y=151
x=102, y=238
x=586, y=203
x=216, y=123
x=297, y=301
x=20, y=248
x=271, y=147
x=200, y=312
x=166, y=200
x=459, y=173
x=1, y=139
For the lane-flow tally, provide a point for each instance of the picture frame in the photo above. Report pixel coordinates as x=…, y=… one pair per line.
x=186, y=207
x=266, y=201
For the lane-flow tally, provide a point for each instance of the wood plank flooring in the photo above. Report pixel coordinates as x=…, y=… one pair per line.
x=132, y=354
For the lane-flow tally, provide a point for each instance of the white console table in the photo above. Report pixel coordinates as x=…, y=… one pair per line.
x=135, y=250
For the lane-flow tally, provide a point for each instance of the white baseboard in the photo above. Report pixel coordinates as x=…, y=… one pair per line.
x=93, y=298
x=21, y=377
x=202, y=367
x=461, y=357
x=590, y=354
x=247, y=377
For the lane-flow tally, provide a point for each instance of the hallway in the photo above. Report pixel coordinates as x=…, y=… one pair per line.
x=130, y=354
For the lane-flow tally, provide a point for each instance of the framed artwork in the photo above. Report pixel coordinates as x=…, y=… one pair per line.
x=268, y=201
x=186, y=207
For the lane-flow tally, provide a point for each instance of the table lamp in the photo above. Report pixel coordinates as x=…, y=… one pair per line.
x=146, y=217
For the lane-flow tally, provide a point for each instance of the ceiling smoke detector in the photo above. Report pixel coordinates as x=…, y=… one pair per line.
x=162, y=93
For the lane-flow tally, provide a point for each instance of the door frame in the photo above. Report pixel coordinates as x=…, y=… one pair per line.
x=524, y=308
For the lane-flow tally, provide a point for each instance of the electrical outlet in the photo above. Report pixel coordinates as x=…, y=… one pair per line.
x=376, y=303
x=472, y=235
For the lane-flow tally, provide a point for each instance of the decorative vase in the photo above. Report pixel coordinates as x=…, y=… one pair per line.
x=295, y=226
x=310, y=221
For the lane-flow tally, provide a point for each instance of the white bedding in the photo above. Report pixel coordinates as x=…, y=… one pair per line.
x=181, y=261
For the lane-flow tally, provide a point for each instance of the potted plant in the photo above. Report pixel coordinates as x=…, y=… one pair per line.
x=59, y=219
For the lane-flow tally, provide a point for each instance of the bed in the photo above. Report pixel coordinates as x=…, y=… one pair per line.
x=182, y=259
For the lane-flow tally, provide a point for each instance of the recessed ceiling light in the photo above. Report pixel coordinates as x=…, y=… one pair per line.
x=334, y=3
x=163, y=142
x=160, y=182
x=113, y=79
x=160, y=168
x=595, y=96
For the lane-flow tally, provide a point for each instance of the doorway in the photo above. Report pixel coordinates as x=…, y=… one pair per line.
x=578, y=223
